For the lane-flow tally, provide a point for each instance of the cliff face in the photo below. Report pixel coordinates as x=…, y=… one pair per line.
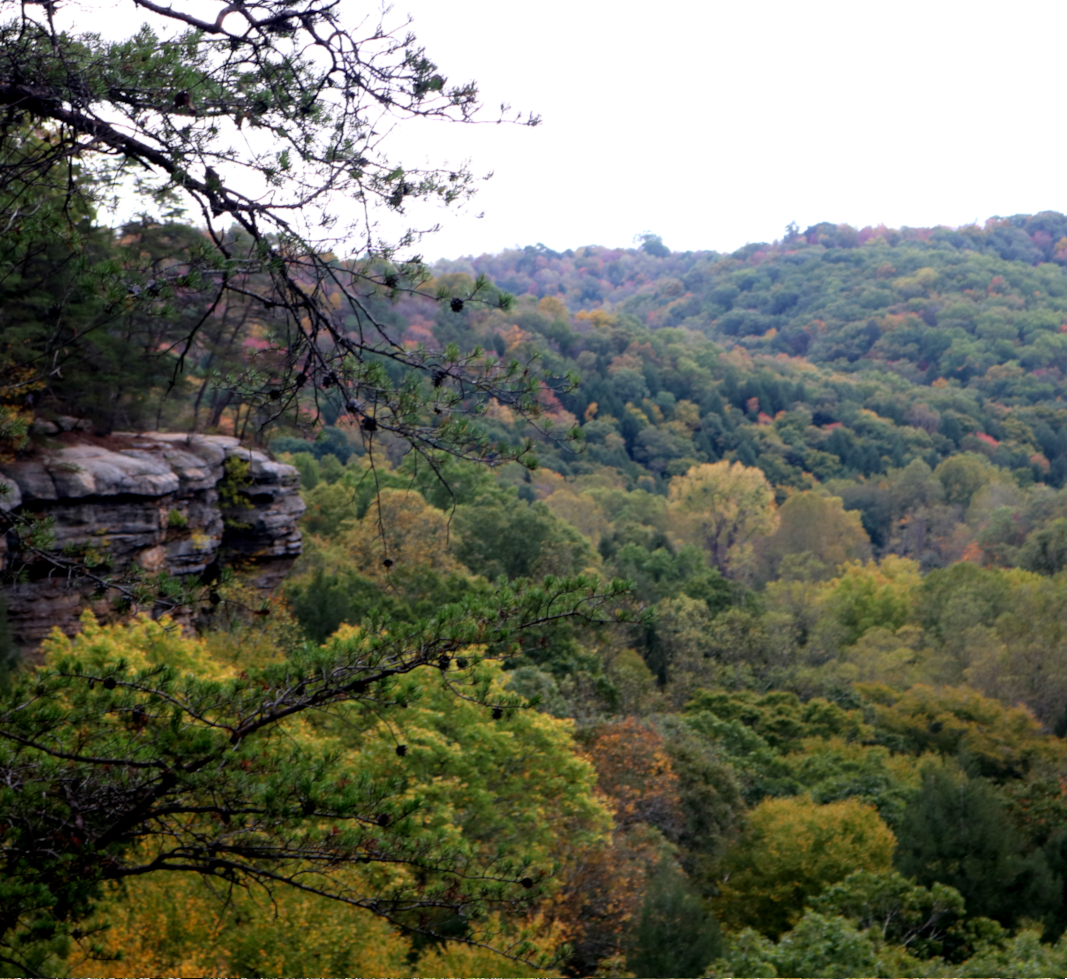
x=164, y=502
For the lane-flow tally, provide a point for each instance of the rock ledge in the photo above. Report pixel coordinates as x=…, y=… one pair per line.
x=150, y=499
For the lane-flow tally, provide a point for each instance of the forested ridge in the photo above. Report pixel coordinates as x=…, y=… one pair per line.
x=659, y=613
x=832, y=468
x=656, y=613
x=895, y=348
x=827, y=738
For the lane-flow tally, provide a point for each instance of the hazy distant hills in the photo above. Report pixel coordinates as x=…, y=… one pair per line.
x=925, y=303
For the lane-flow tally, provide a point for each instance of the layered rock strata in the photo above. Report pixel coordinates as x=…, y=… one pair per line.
x=163, y=502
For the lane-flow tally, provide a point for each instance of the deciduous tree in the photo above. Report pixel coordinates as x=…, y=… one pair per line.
x=723, y=506
x=817, y=525
x=133, y=752
x=791, y=850
x=306, y=94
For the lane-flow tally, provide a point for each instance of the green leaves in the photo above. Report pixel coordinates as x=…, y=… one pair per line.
x=132, y=751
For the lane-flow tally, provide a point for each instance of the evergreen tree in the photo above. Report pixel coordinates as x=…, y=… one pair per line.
x=956, y=832
x=676, y=934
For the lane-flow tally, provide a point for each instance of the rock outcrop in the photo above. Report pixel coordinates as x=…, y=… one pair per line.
x=163, y=502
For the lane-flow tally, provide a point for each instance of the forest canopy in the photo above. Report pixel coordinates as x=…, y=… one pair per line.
x=856, y=645
x=660, y=614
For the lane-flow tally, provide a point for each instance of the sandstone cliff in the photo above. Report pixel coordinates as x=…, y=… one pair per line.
x=165, y=502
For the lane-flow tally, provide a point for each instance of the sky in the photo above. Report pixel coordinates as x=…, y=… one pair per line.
x=716, y=124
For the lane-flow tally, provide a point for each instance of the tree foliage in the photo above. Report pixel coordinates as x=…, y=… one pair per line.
x=832, y=467
x=157, y=114
x=149, y=757
x=793, y=849
x=723, y=507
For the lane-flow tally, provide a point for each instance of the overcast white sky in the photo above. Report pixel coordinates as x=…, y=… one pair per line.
x=714, y=124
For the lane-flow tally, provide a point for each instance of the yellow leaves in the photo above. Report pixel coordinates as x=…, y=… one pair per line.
x=400, y=530
x=597, y=318
x=546, y=482
x=722, y=507
x=498, y=412
x=508, y=787
x=637, y=413
x=456, y=959
x=554, y=306
x=220, y=932
x=347, y=637
x=141, y=643
x=790, y=851
x=14, y=423
x=688, y=414
x=919, y=283
x=514, y=337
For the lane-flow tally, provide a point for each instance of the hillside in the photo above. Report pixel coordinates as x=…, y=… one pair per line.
x=856, y=361
x=834, y=471
x=850, y=555
x=607, y=612
x=852, y=300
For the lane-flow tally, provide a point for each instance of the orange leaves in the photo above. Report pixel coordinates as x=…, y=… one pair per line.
x=514, y=336
x=624, y=362
x=604, y=887
x=634, y=770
